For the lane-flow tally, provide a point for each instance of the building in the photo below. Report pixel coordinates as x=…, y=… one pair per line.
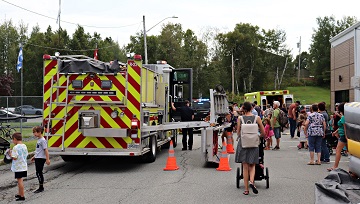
x=345, y=66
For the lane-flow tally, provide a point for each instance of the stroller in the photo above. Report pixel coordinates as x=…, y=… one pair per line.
x=259, y=168
x=331, y=142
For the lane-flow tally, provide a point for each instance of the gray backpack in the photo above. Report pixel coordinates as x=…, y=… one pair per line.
x=249, y=133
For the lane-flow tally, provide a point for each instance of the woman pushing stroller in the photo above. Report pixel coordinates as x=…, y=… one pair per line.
x=248, y=156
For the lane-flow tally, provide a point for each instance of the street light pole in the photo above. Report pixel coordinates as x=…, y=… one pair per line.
x=145, y=31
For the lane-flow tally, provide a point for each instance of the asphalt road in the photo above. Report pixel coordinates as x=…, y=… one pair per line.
x=114, y=180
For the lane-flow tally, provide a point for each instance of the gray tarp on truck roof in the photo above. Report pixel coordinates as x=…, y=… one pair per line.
x=88, y=66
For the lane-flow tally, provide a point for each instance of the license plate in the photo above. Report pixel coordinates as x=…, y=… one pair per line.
x=133, y=146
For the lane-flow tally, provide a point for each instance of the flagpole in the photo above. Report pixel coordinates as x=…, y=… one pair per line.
x=22, y=93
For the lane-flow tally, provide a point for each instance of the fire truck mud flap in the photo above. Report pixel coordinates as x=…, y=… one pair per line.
x=151, y=155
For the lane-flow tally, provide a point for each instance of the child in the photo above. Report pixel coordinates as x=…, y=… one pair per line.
x=303, y=140
x=19, y=155
x=268, y=133
x=41, y=157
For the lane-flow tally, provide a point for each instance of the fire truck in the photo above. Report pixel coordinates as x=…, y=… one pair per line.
x=268, y=97
x=95, y=108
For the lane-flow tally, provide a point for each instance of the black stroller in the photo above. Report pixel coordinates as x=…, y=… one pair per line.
x=331, y=142
x=259, y=168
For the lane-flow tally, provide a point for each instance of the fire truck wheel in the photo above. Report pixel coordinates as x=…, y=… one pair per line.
x=151, y=156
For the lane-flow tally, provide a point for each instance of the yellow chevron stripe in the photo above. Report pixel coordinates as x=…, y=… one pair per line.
x=52, y=140
x=69, y=124
x=87, y=140
x=114, y=143
x=122, y=81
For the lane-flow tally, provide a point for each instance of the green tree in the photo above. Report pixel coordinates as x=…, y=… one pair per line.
x=320, y=46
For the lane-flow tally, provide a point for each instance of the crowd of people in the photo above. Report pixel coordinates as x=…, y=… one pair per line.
x=313, y=128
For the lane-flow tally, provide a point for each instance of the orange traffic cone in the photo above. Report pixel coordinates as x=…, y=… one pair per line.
x=224, y=161
x=230, y=141
x=171, y=161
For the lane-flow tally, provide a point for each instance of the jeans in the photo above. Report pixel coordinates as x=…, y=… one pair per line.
x=185, y=132
x=314, y=143
x=325, y=155
x=292, y=127
x=277, y=132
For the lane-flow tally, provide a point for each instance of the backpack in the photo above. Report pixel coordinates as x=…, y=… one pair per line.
x=249, y=133
x=282, y=118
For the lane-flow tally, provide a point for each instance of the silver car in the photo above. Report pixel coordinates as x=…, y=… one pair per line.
x=28, y=110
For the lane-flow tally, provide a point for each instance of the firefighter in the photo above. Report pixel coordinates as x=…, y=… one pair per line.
x=187, y=114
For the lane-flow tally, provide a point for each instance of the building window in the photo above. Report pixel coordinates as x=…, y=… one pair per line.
x=341, y=96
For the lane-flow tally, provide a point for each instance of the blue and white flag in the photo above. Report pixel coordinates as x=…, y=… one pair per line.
x=20, y=60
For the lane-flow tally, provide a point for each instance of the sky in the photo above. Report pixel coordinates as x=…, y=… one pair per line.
x=296, y=18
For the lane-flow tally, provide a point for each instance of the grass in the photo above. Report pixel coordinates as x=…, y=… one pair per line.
x=308, y=95
x=26, y=133
x=31, y=146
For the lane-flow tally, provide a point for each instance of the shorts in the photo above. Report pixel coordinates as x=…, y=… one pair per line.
x=343, y=139
x=20, y=174
x=314, y=143
x=277, y=132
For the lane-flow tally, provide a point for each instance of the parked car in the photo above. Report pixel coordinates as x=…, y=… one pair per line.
x=201, y=109
x=8, y=114
x=28, y=110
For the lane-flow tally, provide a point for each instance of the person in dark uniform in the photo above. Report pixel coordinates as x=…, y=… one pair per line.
x=187, y=114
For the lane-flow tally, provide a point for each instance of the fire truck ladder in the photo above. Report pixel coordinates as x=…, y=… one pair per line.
x=55, y=85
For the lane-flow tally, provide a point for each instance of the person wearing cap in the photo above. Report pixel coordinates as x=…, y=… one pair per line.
x=187, y=114
x=292, y=117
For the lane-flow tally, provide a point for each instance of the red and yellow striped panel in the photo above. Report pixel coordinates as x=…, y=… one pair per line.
x=72, y=137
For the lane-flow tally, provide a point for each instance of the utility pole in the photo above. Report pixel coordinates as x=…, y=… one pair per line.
x=299, y=46
x=58, y=20
x=232, y=74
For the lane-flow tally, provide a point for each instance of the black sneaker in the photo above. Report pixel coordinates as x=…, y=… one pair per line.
x=20, y=198
x=184, y=149
x=190, y=148
x=17, y=196
x=276, y=148
x=39, y=190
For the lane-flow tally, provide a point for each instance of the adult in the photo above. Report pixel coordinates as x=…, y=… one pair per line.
x=248, y=156
x=340, y=133
x=258, y=109
x=268, y=112
x=325, y=156
x=315, y=126
x=336, y=117
x=292, y=117
x=187, y=114
x=253, y=111
x=275, y=124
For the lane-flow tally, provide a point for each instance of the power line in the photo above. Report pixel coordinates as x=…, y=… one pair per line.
x=83, y=25
x=63, y=49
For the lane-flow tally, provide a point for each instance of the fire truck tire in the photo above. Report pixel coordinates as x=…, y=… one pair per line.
x=151, y=156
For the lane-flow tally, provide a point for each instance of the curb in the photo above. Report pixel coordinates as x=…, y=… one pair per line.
x=31, y=154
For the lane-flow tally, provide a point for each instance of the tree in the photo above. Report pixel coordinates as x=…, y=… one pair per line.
x=320, y=46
